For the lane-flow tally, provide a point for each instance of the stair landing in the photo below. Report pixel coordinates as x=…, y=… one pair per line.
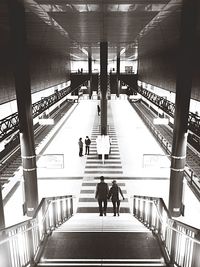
x=91, y=240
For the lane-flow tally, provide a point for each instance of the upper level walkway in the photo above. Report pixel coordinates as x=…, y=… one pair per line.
x=129, y=163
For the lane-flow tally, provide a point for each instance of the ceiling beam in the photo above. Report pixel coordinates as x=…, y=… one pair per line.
x=106, y=2
x=167, y=9
x=44, y=16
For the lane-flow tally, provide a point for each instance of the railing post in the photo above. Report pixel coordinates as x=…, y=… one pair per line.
x=59, y=207
x=54, y=213
x=150, y=214
x=134, y=206
x=138, y=212
x=173, y=245
x=61, y=210
x=5, y=252
x=71, y=206
x=196, y=252
x=46, y=220
x=66, y=210
x=161, y=213
x=30, y=243
x=143, y=211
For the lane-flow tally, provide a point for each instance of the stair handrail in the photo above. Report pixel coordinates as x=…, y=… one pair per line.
x=21, y=244
x=180, y=242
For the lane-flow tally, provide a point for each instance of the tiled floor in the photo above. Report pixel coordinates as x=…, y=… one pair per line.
x=138, y=157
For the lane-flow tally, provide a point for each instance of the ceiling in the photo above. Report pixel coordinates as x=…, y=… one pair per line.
x=75, y=28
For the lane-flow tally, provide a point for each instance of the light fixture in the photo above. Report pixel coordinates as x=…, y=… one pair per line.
x=162, y=121
x=47, y=121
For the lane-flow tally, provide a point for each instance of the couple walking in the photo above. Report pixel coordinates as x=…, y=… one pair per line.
x=103, y=194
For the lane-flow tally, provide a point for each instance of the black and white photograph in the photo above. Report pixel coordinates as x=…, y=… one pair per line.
x=99, y=133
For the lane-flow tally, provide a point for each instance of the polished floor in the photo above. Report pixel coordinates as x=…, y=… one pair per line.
x=137, y=162
x=90, y=240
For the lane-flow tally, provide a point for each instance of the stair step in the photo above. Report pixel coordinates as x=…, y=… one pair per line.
x=103, y=262
x=95, y=209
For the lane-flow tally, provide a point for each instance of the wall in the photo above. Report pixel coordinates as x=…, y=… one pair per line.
x=159, y=69
x=46, y=70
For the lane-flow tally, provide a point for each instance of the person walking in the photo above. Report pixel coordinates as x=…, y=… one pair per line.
x=87, y=145
x=80, y=143
x=114, y=193
x=102, y=196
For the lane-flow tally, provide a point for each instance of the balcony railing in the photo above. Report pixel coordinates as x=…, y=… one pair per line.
x=181, y=242
x=21, y=244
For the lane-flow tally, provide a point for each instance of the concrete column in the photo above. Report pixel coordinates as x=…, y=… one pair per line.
x=89, y=64
x=23, y=94
x=103, y=85
x=183, y=91
x=90, y=73
x=118, y=64
x=118, y=73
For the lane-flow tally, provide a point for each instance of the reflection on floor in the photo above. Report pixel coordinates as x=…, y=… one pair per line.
x=87, y=239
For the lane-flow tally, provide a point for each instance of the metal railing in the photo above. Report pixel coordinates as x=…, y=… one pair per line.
x=180, y=241
x=167, y=146
x=159, y=137
x=169, y=107
x=21, y=244
x=10, y=124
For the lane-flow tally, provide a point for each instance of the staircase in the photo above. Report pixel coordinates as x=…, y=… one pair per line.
x=89, y=240
x=94, y=168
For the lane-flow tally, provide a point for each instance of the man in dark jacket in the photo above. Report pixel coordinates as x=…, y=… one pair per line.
x=87, y=145
x=80, y=144
x=102, y=195
x=114, y=193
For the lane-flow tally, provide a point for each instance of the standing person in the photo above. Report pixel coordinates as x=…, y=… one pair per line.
x=80, y=143
x=87, y=145
x=102, y=196
x=114, y=192
x=98, y=109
